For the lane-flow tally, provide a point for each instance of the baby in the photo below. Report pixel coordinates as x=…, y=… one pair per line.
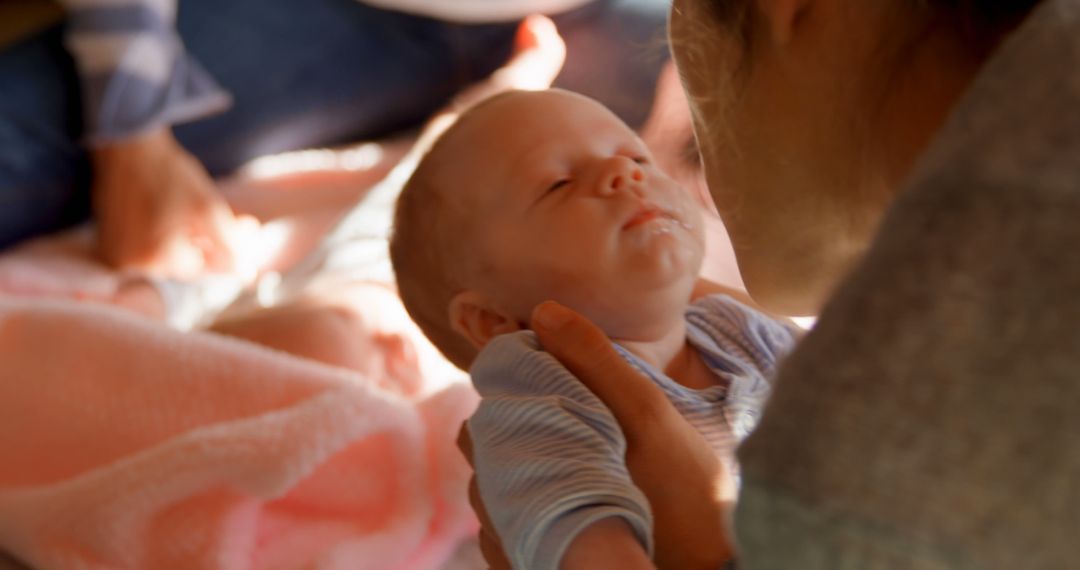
x=533, y=196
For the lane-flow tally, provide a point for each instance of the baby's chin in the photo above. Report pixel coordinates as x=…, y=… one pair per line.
x=665, y=264
x=654, y=290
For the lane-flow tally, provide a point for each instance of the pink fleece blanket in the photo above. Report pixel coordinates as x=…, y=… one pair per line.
x=124, y=444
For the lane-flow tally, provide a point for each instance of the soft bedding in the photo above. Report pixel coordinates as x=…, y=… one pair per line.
x=125, y=443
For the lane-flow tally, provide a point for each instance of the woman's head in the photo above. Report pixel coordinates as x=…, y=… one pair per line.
x=810, y=113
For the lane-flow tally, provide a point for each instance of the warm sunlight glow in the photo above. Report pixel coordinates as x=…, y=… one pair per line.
x=352, y=159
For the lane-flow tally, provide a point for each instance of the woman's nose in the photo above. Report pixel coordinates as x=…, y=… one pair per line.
x=619, y=174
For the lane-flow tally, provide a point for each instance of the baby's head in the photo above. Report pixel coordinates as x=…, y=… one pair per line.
x=533, y=196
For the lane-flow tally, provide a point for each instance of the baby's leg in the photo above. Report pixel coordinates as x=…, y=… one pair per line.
x=359, y=329
x=308, y=329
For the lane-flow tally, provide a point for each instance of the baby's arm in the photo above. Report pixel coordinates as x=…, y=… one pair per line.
x=607, y=543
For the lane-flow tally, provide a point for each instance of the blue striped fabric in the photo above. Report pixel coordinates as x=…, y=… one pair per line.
x=134, y=72
x=549, y=455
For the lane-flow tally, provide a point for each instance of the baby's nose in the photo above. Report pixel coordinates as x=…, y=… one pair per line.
x=620, y=174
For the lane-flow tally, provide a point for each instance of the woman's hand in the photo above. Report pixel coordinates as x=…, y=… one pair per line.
x=490, y=545
x=539, y=55
x=690, y=491
x=158, y=210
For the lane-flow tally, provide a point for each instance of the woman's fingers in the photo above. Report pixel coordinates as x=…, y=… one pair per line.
x=587, y=352
x=490, y=545
x=539, y=54
x=211, y=234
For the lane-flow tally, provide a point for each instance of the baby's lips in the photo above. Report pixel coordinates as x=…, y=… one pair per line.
x=643, y=216
x=646, y=212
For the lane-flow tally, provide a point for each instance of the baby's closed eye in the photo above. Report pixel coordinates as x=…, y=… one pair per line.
x=558, y=184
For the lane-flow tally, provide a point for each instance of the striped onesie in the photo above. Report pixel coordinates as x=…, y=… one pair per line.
x=549, y=455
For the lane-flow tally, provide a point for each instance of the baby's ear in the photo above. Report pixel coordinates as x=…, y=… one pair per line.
x=473, y=317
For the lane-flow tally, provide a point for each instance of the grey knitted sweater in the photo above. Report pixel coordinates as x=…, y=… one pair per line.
x=932, y=418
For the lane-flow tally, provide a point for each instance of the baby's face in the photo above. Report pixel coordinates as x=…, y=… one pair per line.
x=571, y=208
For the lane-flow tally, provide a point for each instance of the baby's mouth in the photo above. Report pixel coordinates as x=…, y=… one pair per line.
x=645, y=214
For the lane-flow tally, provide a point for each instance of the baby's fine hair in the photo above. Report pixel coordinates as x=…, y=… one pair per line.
x=430, y=244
